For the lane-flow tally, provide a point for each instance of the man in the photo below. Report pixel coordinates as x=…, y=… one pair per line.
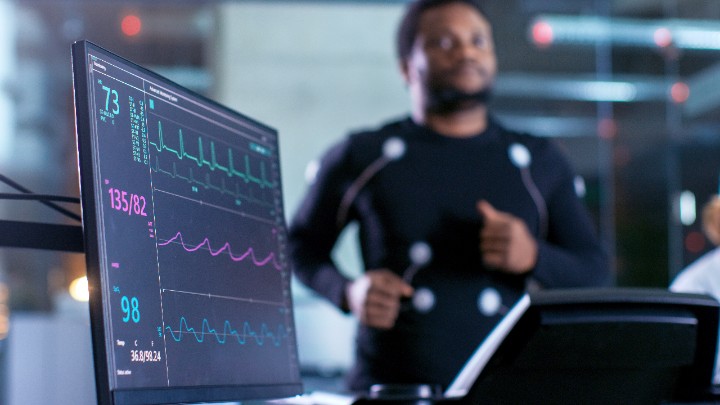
x=455, y=213
x=703, y=275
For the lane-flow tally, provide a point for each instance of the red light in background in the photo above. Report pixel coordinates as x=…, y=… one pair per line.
x=679, y=92
x=542, y=34
x=663, y=37
x=607, y=128
x=131, y=25
x=622, y=155
x=694, y=242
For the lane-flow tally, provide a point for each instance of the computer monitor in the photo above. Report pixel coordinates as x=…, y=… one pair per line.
x=184, y=234
x=607, y=346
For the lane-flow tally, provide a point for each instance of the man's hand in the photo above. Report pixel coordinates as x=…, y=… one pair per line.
x=505, y=241
x=375, y=297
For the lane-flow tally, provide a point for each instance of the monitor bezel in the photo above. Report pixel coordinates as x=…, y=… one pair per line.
x=95, y=276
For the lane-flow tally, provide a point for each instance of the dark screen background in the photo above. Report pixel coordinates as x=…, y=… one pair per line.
x=191, y=236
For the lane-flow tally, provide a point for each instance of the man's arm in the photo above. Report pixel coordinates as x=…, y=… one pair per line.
x=313, y=232
x=572, y=255
x=374, y=297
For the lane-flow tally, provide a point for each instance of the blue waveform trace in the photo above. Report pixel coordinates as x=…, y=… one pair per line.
x=228, y=331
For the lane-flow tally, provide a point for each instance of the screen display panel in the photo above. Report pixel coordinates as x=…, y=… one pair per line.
x=184, y=234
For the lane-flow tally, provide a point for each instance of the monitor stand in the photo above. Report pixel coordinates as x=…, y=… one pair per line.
x=34, y=235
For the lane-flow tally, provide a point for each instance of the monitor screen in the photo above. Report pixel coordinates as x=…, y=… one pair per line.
x=631, y=346
x=184, y=234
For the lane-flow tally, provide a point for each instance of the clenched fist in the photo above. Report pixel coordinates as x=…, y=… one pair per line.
x=375, y=297
x=505, y=241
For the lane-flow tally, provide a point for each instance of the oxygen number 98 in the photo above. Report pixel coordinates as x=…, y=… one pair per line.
x=130, y=308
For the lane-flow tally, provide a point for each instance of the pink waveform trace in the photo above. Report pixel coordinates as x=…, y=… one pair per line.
x=226, y=247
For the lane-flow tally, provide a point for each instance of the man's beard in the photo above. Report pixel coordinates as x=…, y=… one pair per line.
x=447, y=100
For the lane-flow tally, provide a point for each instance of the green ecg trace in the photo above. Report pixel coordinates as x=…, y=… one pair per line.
x=207, y=183
x=213, y=164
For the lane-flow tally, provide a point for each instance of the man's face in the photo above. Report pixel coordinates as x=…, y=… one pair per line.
x=453, y=53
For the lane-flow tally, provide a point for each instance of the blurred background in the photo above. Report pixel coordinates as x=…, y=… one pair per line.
x=629, y=88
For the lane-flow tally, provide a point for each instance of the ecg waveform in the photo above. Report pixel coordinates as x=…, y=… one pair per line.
x=229, y=332
x=207, y=183
x=249, y=253
x=213, y=164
